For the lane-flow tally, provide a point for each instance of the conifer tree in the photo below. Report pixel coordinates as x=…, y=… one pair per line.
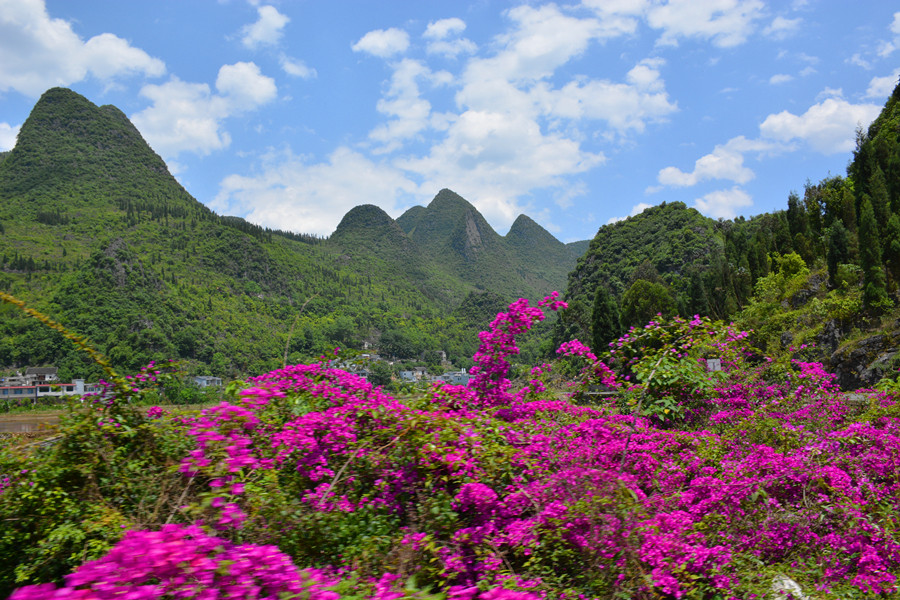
x=605, y=322
x=644, y=300
x=881, y=202
x=892, y=251
x=699, y=301
x=838, y=249
x=874, y=285
x=893, y=178
x=797, y=217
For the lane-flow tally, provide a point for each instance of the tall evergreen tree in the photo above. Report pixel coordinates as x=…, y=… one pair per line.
x=699, y=301
x=815, y=209
x=881, y=202
x=797, y=217
x=893, y=178
x=644, y=300
x=875, y=288
x=892, y=251
x=848, y=210
x=838, y=249
x=605, y=322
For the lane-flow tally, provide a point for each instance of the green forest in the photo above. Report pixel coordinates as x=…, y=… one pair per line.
x=95, y=232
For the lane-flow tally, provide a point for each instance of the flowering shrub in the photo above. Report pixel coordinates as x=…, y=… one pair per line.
x=480, y=492
x=184, y=562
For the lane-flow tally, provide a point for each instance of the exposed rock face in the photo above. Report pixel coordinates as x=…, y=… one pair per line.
x=864, y=363
x=801, y=298
x=473, y=236
x=786, y=338
x=830, y=337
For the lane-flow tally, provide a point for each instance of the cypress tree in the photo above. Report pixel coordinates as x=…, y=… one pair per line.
x=892, y=250
x=874, y=286
x=605, y=321
x=644, y=300
x=797, y=218
x=881, y=202
x=699, y=301
x=848, y=210
x=893, y=178
x=838, y=249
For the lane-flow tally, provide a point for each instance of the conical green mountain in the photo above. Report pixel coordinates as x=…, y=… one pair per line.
x=95, y=232
x=706, y=266
x=367, y=228
x=819, y=281
x=455, y=234
x=536, y=244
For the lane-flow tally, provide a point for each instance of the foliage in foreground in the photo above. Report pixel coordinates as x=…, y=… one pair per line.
x=688, y=485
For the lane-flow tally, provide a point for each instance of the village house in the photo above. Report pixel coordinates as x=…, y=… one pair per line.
x=205, y=381
x=14, y=391
x=33, y=376
x=455, y=377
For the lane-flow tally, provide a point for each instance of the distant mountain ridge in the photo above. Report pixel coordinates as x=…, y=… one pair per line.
x=82, y=194
x=453, y=232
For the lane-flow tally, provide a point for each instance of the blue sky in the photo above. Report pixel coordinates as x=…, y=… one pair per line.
x=289, y=113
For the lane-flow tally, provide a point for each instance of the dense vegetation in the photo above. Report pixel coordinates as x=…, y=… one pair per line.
x=758, y=479
x=844, y=231
x=310, y=482
x=96, y=232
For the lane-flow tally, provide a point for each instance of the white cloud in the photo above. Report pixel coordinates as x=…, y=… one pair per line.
x=635, y=210
x=886, y=48
x=624, y=106
x=726, y=23
x=438, y=30
x=452, y=48
x=188, y=117
x=8, y=135
x=780, y=78
x=882, y=87
x=184, y=117
x=516, y=127
x=724, y=162
x=383, y=43
x=541, y=40
x=723, y=204
x=38, y=52
x=828, y=127
x=781, y=28
x=296, y=68
x=618, y=17
x=437, y=33
x=402, y=103
x=493, y=158
x=267, y=30
x=245, y=86
x=858, y=60
x=293, y=195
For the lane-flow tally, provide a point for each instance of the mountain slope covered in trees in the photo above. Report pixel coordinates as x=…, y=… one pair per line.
x=820, y=279
x=95, y=232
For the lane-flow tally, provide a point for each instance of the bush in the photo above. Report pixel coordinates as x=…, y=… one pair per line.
x=478, y=491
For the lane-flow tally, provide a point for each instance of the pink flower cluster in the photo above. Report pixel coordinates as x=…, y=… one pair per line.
x=185, y=562
x=519, y=493
x=491, y=367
